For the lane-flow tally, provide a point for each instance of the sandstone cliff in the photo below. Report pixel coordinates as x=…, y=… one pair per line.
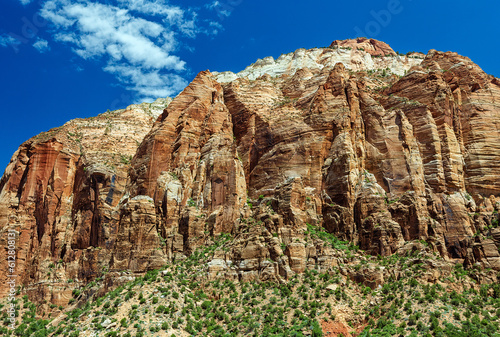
x=61, y=193
x=381, y=150
x=356, y=55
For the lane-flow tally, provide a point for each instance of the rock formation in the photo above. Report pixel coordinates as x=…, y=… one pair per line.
x=356, y=55
x=371, y=46
x=382, y=150
x=61, y=192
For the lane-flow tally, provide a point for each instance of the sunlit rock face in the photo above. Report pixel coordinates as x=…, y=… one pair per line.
x=377, y=148
x=61, y=193
x=354, y=54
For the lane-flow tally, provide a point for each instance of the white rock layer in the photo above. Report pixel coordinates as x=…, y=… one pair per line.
x=318, y=58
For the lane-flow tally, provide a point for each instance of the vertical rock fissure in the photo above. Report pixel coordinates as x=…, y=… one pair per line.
x=40, y=211
x=96, y=219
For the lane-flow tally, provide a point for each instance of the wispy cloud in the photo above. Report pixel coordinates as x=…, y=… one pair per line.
x=149, y=84
x=137, y=39
x=213, y=5
x=41, y=45
x=25, y=2
x=6, y=40
x=221, y=8
x=215, y=27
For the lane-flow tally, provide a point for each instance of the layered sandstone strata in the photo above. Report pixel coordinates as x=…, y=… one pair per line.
x=380, y=158
x=61, y=193
x=354, y=54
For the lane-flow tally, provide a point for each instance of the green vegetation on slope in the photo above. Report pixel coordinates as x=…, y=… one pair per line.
x=179, y=300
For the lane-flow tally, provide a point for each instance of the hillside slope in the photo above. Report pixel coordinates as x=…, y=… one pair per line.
x=392, y=154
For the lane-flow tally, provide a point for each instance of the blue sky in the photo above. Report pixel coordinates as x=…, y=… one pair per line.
x=65, y=59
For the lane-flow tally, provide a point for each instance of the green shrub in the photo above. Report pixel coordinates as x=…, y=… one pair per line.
x=191, y=202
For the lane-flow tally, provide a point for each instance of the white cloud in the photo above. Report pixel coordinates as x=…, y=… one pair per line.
x=41, y=45
x=26, y=2
x=222, y=9
x=172, y=15
x=149, y=84
x=101, y=30
x=137, y=39
x=213, y=5
x=215, y=27
x=6, y=40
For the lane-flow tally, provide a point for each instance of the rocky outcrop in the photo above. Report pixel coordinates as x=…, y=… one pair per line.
x=60, y=194
x=189, y=165
x=371, y=46
x=355, y=54
x=338, y=139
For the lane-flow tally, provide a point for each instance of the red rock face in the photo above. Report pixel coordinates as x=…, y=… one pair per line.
x=377, y=159
x=60, y=194
x=189, y=169
x=371, y=46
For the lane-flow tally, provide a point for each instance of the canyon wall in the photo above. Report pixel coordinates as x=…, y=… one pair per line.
x=382, y=150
